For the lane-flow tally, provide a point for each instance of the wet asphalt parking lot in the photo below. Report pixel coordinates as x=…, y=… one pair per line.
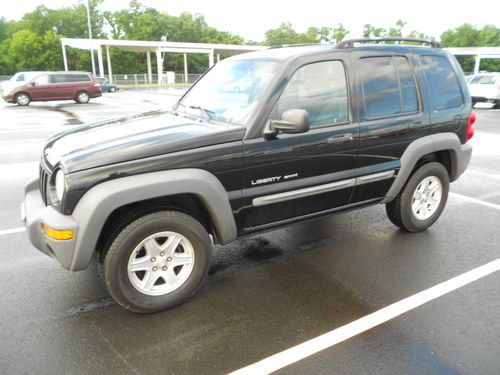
x=265, y=293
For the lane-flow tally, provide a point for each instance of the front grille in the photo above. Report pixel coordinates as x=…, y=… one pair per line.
x=44, y=184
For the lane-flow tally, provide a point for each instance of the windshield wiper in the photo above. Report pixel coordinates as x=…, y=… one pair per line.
x=207, y=113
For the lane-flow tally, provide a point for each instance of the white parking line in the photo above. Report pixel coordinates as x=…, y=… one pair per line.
x=327, y=340
x=474, y=200
x=10, y=231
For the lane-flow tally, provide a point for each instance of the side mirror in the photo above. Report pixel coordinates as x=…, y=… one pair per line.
x=33, y=84
x=292, y=121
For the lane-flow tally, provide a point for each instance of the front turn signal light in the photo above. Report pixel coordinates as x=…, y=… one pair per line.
x=56, y=234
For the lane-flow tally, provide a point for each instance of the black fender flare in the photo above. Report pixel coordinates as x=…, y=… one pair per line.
x=99, y=202
x=460, y=156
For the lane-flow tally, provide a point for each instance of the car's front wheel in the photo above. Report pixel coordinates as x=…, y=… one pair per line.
x=422, y=200
x=112, y=89
x=23, y=99
x=157, y=262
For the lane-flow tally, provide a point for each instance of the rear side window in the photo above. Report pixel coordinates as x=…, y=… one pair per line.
x=443, y=82
x=320, y=89
x=389, y=86
x=57, y=78
x=77, y=78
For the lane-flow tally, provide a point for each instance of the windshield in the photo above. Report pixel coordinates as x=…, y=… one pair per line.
x=230, y=91
x=17, y=77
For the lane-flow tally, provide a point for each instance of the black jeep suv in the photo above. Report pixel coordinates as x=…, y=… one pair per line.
x=262, y=140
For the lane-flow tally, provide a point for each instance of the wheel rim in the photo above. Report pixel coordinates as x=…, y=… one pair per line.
x=23, y=99
x=83, y=97
x=161, y=263
x=427, y=197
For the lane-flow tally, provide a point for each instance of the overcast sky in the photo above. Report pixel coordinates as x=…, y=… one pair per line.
x=251, y=19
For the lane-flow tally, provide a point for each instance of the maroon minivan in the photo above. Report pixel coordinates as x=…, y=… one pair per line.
x=77, y=86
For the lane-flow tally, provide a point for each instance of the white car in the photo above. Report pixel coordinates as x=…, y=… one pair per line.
x=485, y=87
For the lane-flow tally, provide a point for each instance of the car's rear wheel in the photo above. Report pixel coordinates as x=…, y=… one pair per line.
x=23, y=99
x=112, y=89
x=156, y=262
x=422, y=200
x=82, y=97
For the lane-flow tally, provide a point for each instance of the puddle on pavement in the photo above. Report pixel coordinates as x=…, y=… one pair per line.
x=260, y=249
x=71, y=118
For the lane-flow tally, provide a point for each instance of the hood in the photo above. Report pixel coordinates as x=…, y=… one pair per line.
x=134, y=137
x=8, y=86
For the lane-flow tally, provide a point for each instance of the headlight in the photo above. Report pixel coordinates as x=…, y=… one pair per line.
x=60, y=185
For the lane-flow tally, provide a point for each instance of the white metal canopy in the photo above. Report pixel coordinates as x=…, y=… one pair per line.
x=478, y=52
x=141, y=46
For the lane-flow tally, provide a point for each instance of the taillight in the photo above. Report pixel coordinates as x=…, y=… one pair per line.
x=469, y=131
x=97, y=85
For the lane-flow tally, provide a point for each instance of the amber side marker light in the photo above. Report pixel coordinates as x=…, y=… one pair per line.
x=57, y=234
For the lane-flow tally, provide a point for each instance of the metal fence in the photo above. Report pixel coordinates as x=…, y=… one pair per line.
x=145, y=79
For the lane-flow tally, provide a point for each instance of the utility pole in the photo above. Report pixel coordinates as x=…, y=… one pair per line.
x=90, y=38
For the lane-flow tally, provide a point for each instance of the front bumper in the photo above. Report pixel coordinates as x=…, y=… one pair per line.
x=8, y=98
x=35, y=213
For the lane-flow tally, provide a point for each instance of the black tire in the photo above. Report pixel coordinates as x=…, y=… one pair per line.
x=496, y=105
x=400, y=210
x=23, y=99
x=113, y=262
x=112, y=89
x=82, y=97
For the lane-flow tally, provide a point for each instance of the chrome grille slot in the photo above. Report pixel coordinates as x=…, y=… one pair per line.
x=44, y=181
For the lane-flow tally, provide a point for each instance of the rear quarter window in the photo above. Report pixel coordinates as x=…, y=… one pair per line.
x=443, y=82
x=58, y=78
x=78, y=78
x=388, y=85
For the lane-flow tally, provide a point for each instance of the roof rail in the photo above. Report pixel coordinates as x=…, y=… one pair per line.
x=350, y=43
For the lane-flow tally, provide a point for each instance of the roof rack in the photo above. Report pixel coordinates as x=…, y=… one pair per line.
x=350, y=43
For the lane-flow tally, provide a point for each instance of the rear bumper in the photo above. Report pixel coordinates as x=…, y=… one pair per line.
x=34, y=213
x=463, y=160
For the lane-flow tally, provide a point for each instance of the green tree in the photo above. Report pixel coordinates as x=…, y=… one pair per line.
x=285, y=34
x=52, y=57
x=144, y=23
x=468, y=35
x=338, y=33
x=396, y=30
x=370, y=31
x=25, y=50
